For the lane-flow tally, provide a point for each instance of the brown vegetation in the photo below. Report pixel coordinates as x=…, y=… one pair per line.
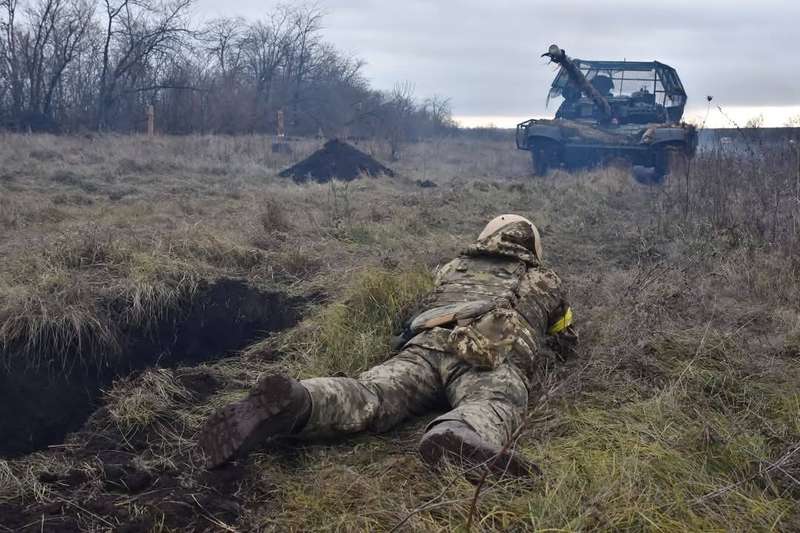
x=681, y=411
x=88, y=65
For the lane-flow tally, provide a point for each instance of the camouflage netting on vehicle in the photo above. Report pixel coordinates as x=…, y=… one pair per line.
x=580, y=131
x=336, y=159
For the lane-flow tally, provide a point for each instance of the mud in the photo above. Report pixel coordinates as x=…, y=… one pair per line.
x=132, y=500
x=114, y=483
x=39, y=407
x=336, y=159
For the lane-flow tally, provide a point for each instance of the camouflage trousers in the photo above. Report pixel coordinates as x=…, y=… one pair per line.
x=414, y=382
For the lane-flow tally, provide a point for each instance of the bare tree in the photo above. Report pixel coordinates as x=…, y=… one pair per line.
x=11, y=63
x=306, y=23
x=4, y=85
x=36, y=52
x=135, y=32
x=438, y=112
x=399, y=111
x=266, y=48
x=73, y=64
x=34, y=45
x=69, y=27
x=222, y=40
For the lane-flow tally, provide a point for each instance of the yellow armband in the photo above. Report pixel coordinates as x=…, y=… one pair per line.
x=563, y=323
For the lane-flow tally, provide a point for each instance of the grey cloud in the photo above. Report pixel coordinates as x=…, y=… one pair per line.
x=484, y=55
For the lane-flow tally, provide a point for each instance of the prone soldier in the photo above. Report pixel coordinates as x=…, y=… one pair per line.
x=492, y=317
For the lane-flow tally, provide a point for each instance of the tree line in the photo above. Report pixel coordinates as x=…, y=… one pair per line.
x=88, y=65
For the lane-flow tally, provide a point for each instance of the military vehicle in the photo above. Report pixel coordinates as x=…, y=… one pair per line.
x=623, y=110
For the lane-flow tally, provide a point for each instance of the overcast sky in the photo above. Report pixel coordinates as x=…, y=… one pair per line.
x=484, y=54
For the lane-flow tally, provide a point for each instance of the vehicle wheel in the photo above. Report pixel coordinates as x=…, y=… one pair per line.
x=545, y=157
x=541, y=166
x=663, y=161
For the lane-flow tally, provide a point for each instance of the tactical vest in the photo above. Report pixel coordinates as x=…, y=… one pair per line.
x=459, y=321
x=466, y=278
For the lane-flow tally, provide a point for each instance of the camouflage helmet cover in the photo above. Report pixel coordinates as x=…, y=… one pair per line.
x=502, y=221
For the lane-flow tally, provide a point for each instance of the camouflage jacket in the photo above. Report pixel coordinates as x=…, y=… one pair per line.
x=529, y=307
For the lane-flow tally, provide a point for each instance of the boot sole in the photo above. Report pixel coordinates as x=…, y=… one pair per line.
x=239, y=427
x=446, y=445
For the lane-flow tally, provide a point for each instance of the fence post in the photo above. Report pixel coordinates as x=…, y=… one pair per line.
x=281, y=125
x=151, y=120
x=279, y=145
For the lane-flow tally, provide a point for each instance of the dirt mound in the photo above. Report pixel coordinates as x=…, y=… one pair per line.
x=338, y=160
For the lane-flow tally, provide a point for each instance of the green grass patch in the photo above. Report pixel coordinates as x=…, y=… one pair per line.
x=352, y=335
x=653, y=465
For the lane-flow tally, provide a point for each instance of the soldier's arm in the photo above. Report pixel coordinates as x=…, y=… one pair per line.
x=442, y=270
x=562, y=337
x=543, y=300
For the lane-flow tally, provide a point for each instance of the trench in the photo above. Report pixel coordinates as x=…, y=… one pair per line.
x=38, y=408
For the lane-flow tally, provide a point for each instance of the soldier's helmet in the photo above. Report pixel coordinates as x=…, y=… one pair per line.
x=498, y=223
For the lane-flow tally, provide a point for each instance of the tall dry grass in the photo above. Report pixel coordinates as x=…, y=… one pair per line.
x=113, y=233
x=680, y=412
x=750, y=195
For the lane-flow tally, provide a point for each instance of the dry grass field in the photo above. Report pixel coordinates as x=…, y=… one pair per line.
x=681, y=411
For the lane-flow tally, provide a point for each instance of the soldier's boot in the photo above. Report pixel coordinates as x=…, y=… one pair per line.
x=277, y=406
x=457, y=443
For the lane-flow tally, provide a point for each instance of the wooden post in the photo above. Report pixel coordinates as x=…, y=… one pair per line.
x=281, y=125
x=279, y=144
x=151, y=120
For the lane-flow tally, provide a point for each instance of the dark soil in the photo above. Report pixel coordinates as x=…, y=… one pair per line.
x=123, y=497
x=39, y=407
x=336, y=159
x=121, y=483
